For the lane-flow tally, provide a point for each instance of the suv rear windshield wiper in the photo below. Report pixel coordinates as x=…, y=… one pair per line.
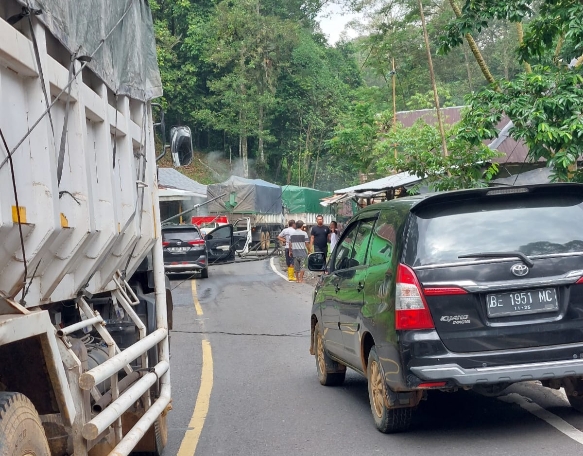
x=527, y=261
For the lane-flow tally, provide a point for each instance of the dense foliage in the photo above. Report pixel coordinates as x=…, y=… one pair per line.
x=264, y=92
x=545, y=102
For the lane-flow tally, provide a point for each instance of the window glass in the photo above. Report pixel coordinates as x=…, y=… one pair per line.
x=383, y=239
x=352, y=248
x=223, y=232
x=183, y=235
x=345, y=247
x=530, y=224
x=361, y=242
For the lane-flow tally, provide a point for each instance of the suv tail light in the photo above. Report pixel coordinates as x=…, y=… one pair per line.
x=165, y=244
x=443, y=291
x=411, y=311
x=196, y=242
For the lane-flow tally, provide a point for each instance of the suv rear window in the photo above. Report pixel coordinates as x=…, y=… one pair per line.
x=184, y=235
x=532, y=224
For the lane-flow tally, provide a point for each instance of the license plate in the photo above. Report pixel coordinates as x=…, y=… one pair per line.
x=522, y=302
x=178, y=249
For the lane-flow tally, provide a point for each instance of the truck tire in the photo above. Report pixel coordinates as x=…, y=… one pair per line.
x=21, y=431
x=161, y=432
x=330, y=373
x=387, y=420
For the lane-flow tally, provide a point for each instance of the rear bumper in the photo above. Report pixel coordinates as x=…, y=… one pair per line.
x=184, y=267
x=500, y=374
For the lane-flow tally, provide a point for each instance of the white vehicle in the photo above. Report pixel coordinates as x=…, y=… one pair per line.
x=84, y=355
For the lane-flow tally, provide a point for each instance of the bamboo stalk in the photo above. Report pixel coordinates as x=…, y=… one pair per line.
x=474, y=47
x=434, y=85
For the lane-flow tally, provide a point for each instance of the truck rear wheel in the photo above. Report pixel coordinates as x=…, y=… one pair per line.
x=21, y=431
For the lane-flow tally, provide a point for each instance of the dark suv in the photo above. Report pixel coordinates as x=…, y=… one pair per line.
x=185, y=248
x=468, y=289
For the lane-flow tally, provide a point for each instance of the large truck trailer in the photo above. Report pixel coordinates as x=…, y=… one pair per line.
x=248, y=204
x=85, y=309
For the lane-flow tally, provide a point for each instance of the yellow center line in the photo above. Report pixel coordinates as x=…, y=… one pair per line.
x=192, y=435
x=201, y=407
x=197, y=306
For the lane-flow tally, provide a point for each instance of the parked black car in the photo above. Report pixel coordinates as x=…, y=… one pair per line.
x=186, y=249
x=468, y=289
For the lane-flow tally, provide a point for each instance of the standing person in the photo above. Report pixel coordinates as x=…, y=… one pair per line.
x=299, y=248
x=320, y=235
x=284, y=237
x=333, y=234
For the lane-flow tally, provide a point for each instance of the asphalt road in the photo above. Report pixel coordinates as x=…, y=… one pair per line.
x=260, y=394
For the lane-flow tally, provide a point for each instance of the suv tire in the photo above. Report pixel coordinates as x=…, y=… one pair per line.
x=330, y=373
x=204, y=274
x=387, y=420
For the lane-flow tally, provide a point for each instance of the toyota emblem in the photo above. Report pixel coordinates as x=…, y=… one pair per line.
x=519, y=270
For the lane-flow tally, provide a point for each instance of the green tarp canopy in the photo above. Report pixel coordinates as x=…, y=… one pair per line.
x=300, y=200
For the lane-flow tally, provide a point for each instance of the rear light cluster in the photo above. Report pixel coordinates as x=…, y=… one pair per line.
x=196, y=242
x=411, y=310
x=443, y=291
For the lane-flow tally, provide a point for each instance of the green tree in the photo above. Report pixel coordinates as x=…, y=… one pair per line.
x=418, y=152
x=546, y=102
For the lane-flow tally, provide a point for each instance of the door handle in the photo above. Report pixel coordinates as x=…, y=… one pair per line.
x=360, y=286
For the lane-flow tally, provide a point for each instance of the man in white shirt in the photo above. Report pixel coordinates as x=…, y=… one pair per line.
x=299, y=248
x=284, y=238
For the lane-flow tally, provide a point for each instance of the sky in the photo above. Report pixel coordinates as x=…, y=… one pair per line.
x=333, y=22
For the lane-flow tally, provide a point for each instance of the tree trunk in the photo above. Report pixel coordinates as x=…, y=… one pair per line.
x=505, y=59
x=278, y=169
x=260, y=140
x=307, y=150
x=432, y=74
x=245, y=155
x=316, y=169
x=520, y=31
x=468, y=69
x=474, y=47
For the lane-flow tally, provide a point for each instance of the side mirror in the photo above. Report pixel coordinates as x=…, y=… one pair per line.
x=317, y=261
x=181, y=146
x=162, y=126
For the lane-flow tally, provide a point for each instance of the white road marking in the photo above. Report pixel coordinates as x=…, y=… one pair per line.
x=275, y=269
x=552, y=419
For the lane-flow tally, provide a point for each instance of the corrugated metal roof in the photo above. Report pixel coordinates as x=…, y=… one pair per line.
x=535, y=176
x=385, y=183
x=514, y=151
x=169, y=177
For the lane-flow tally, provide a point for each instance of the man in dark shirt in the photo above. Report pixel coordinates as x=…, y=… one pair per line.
x=319, y=236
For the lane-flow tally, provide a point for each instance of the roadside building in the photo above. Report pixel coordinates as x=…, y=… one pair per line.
x=179, y=193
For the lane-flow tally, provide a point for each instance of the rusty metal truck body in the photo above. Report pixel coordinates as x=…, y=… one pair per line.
x=83, y=296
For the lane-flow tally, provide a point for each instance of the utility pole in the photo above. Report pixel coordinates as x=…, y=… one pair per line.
x=432, y=74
